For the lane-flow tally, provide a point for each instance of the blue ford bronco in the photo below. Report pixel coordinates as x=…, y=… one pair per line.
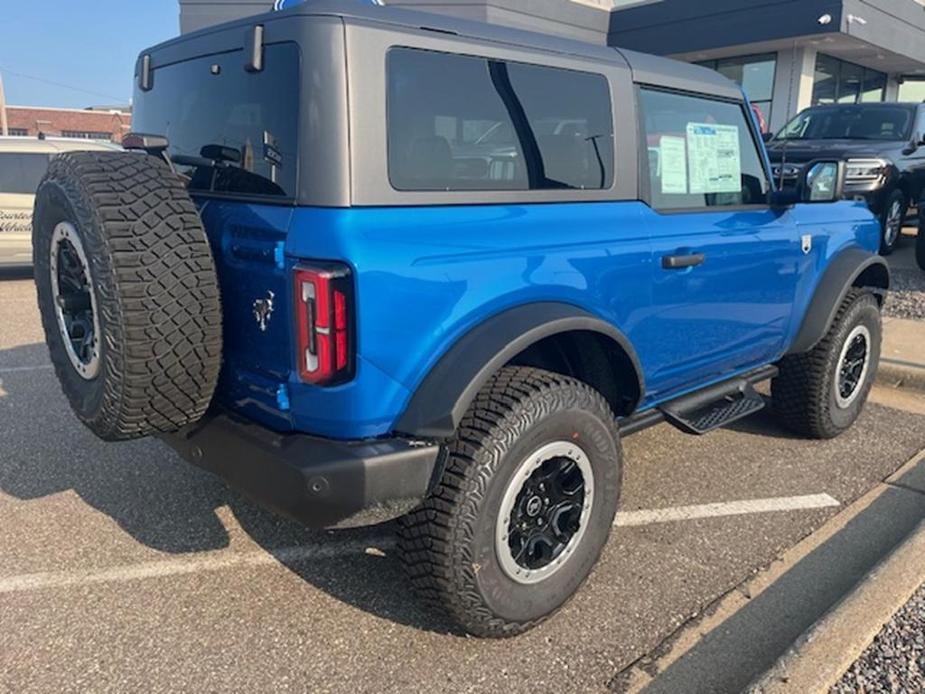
x=367, y=263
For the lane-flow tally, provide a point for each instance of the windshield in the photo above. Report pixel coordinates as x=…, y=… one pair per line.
x=230, y=131
x=851, y=122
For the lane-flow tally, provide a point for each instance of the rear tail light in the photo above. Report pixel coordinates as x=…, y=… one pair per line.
x=324, y=323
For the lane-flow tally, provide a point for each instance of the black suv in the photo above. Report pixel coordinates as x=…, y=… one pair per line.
x=883, y=144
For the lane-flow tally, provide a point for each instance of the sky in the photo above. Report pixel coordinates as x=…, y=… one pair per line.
x=78, y=53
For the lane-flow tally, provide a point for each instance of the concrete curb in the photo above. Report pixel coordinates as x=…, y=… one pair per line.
x=896, y=373
x=875, y=524
x=824, y=652
x=902, y=359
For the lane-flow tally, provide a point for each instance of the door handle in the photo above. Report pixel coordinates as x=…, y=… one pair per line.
x=679, y=262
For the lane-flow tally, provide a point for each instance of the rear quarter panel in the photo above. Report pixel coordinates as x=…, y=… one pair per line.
x=426, y=276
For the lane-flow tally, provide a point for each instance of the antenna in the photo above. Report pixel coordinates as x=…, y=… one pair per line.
x=783, y=165
x=783, y=149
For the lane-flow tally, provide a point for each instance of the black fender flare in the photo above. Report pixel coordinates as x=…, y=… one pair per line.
x=837, y=280
x=442, y=398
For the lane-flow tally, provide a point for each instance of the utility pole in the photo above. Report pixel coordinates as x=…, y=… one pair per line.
x=4, y=126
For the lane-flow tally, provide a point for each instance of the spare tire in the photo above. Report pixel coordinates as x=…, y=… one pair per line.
x=128, y=293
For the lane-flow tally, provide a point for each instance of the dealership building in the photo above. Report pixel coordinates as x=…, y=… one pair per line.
x=787, y=54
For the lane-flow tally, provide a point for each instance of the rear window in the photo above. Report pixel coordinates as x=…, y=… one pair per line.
x=21, y=173
x=467, y=123
x=231, y=131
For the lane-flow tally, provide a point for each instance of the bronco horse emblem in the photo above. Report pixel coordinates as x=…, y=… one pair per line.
x=263, y=310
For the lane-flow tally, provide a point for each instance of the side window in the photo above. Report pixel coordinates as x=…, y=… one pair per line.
x=466, y=123
x=22, y=173
x=701, y=153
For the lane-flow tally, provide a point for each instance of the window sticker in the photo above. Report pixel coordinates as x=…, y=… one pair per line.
x=715, y=158
x=673, y=164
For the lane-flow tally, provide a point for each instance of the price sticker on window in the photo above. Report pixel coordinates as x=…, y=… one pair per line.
x=673, y=164
x=714, y=158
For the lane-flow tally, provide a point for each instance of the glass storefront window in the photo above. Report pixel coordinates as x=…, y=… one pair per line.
x=874, y=86
x=825, y=81
x=838, y=81
x=755, y=74
x=850, y=83
x=912, y=89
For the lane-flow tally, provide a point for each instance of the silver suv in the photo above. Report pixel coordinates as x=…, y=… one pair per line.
x=23, y=162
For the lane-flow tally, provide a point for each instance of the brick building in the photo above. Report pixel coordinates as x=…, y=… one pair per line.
x=93, y=124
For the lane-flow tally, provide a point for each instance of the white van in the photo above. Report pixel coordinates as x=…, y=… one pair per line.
x=23, y=161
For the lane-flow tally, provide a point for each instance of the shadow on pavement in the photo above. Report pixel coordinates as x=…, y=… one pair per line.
x=763, y=423
x=168, y=505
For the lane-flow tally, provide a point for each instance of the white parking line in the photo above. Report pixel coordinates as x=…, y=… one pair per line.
x=730, y=508
x=17, y=369
x=217, y=561
x=188, y=565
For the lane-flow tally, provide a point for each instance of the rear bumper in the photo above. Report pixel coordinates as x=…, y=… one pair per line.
x=319, y=482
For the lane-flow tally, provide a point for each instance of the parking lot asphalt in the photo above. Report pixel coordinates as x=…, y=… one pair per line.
x=123, y=568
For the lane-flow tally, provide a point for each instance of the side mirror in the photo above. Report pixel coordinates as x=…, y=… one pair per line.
x=767, y=137
x=918, y=140
x=822, y=181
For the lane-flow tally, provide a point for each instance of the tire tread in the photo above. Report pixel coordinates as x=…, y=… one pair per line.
x=799, y=392
x=157, y=291
x=433, y=539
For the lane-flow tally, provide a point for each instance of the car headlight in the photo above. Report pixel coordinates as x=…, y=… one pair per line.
x=865, y=170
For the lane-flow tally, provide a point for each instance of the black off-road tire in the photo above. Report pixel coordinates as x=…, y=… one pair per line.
x=804, y=393
x=155, y=287
x=895, y=197
x=448, y=544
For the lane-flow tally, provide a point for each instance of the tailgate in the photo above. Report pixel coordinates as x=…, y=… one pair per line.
x=247, y=241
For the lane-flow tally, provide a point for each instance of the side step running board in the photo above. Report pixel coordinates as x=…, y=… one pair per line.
x=707, y=409
x=698, y=415
x=716, y=406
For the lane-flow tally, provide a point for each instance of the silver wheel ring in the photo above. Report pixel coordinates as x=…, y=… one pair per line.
x=556, y=449
x=843, y=402
x=65, y=231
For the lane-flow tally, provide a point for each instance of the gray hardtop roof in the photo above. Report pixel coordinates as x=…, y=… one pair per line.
x=658, y=71
x=647, y=69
